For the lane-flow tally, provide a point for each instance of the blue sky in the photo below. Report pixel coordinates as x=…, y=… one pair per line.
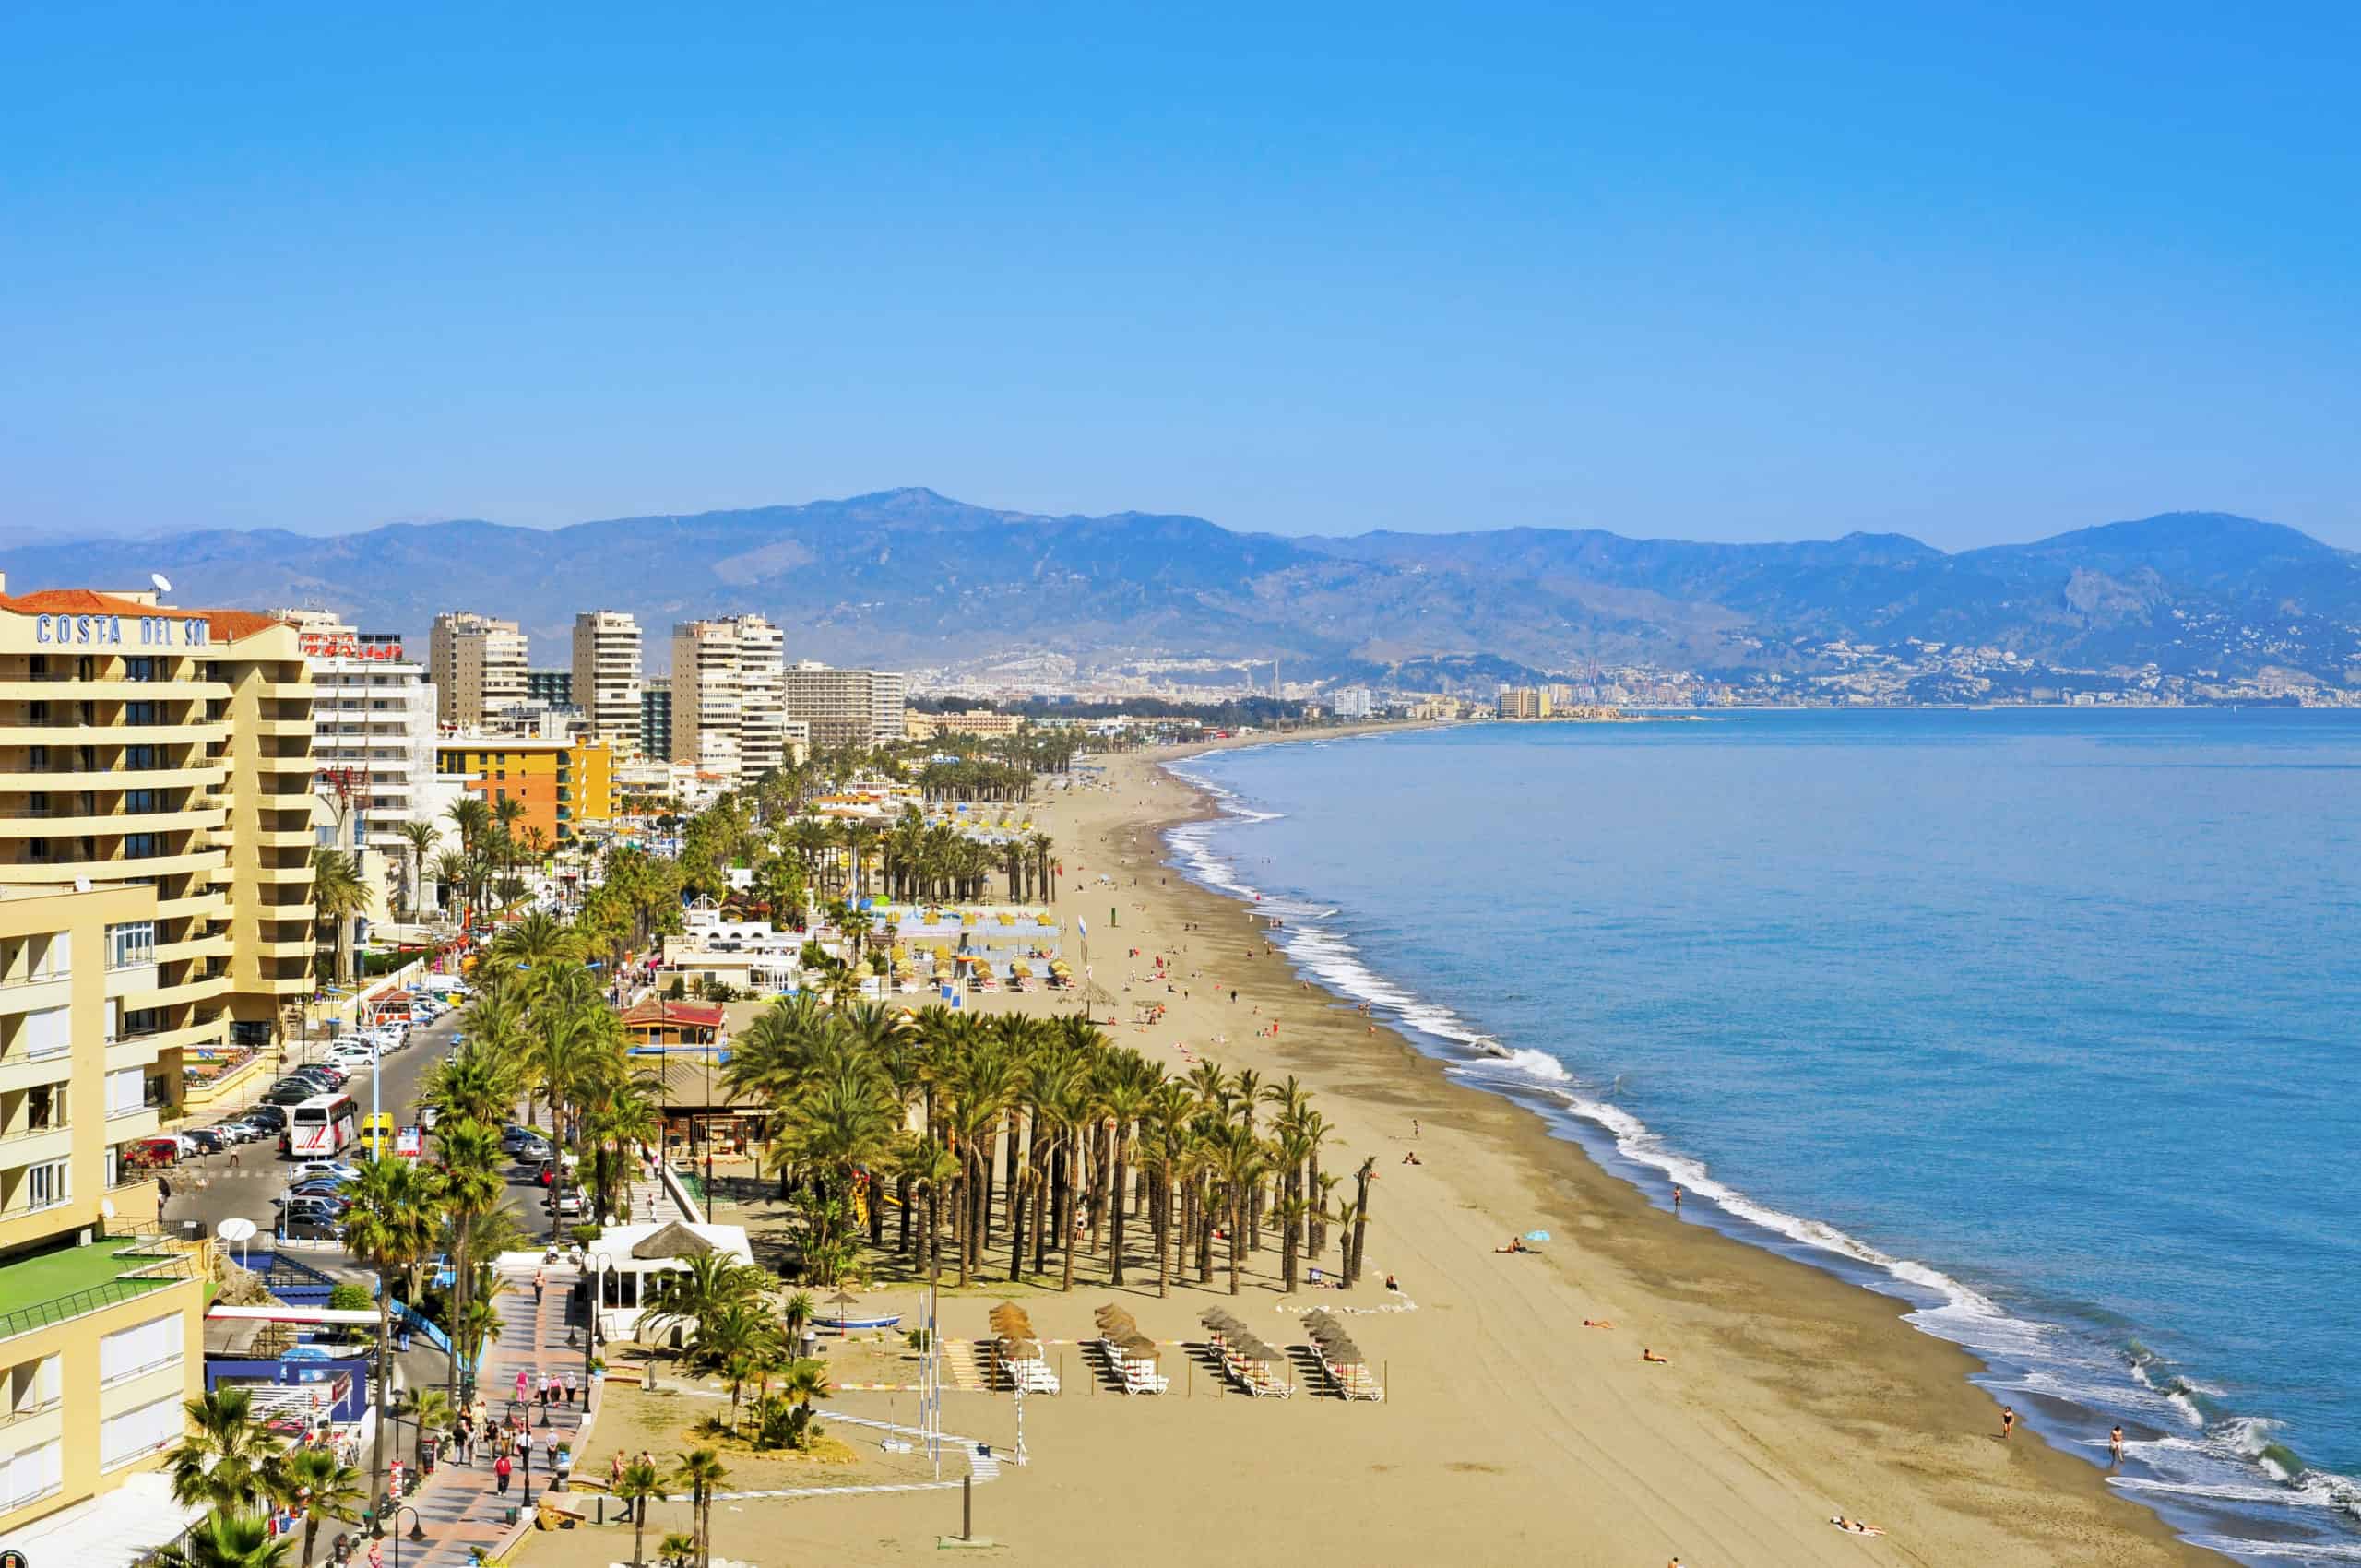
x=1709, y=271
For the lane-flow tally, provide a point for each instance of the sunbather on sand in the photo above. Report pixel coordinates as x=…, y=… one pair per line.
x=1598, y=1322
x=1516, y=1244
x=1855, y=1526
x=1648, y=1355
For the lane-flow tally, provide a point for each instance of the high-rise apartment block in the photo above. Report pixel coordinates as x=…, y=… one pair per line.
x=846, y=708
x=374, y=725
x=728, y=715
x=656, y=718
x=478, y=666
x=607, y=675
x=704, y=696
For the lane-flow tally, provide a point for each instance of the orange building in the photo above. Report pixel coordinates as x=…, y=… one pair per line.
x=564, y=784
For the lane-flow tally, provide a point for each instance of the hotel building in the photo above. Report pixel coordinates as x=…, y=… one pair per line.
x=101, y=1333
x=656, y=718
x=478, y=666
x=171, y=749
x=846, y=708
x=705, y=697
x=606, y=675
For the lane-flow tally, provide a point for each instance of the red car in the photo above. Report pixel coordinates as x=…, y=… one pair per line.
x=149, y=1153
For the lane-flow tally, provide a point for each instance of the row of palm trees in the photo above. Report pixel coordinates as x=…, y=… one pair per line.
x=1040, y=1137
x=240, y=1472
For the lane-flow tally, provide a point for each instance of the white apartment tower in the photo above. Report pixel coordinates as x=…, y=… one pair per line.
x=761, y=718
x=704, y=696
x=606, y=675
x=477, y=664
x=373, y=727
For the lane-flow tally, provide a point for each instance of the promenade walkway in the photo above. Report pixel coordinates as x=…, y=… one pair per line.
x=458, y=1506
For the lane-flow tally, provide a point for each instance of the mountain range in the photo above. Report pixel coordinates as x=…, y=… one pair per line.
x=910, y=579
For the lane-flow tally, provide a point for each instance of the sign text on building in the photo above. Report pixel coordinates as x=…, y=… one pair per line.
x=154, y=631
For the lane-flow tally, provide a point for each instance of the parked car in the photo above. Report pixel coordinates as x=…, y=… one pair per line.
x=428, y=1115
x=289, y=1091
x=150, y=1152
x=333, y=1170
x=201, y=1140
x=270, y=1119
x=318, y=1213
x=514, y=1137
x=568, y=1203
x=241, y=1129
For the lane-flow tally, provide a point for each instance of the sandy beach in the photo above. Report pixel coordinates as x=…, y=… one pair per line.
x=1511, y=1431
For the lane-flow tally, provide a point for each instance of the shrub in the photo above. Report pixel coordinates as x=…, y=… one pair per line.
x=348, y=1296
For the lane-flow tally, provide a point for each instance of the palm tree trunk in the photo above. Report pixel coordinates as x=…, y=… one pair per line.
x=1115, y=1228
x=1236, y=1223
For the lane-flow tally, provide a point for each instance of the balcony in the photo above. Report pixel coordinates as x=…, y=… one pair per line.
x=29, y=994
x=202, y=988
x=21, y=1070
x=61, y=688
x=201, y=773
x=35, y=1145
x=19, y=822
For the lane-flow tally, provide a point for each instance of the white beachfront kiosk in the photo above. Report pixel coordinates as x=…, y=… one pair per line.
x=624, y=1258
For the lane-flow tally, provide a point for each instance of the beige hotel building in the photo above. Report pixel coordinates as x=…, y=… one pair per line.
x=156, y=830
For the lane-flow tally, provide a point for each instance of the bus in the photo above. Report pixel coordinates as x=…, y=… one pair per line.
x=319, y=1128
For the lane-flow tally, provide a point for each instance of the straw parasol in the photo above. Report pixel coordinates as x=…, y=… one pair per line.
x=1138, y=1348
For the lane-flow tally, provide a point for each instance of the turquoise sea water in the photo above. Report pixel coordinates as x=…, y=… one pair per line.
x=2044, y=1021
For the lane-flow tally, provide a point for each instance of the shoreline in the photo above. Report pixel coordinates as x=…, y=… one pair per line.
x=2065, y=1511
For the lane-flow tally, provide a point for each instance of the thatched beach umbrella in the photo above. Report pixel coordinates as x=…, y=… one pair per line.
x=1138, y=1348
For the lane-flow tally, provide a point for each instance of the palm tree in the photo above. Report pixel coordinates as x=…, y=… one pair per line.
x=429, y=1409
x=700, y=1290
x=323, y=1486
x=337, y=894
x=702, y=1473
x=422, y=836
x=391, y=1225
x=638, y=1482
x=451, y=870
x=677, y=1550
x=227, y=1540
x=227, y=1460
x=1359, y=1235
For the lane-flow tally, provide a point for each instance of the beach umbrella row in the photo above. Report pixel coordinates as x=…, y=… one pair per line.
x=1330, y=1335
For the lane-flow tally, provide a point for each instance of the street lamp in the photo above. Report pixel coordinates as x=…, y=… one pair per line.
x=594, y=1266
x=417, y=1531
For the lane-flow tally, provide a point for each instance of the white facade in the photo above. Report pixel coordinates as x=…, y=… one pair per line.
x=372, y=728
x=761, y=718
x=846, y=708
x=607, y=675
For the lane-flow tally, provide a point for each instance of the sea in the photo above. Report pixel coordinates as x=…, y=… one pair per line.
x=2042, y=1021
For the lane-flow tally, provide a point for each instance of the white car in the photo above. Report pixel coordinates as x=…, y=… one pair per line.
x=331, y=1168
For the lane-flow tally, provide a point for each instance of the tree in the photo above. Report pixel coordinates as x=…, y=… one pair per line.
x=390, y=1227
x=227, y=1460
x=337, y=894
x=470, y=1186
x=700, y=1290
x=227, y=1540
x=322, y=1487
x=421, y=837
x=639, y=1483
x=429, y=1408
x=677, y=1550
x=702, y=1473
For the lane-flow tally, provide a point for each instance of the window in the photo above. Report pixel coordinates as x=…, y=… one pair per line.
x=139, y=756
x=144, y=1348
x=134, y=1434
x=39, y=666
x=37, y=758
x=45, y=1107
x=133, y=942
x=30, y=1474
x=37, y=803
x=126, y=1091
x=47, y=1031
x=37, y=713
x=141, y=669
x=140, y=713
x=138, y=845
x=29, y=1388
x=46, y=1186
x=137, y=801
x=142, y=1021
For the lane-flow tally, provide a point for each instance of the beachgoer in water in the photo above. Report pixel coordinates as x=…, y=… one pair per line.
x=2007, y=1421
x=1676, y=1197
x=2114, y=1443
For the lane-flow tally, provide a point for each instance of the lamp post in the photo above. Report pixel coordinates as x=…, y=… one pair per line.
x=417, y=1531
x=594, y=1266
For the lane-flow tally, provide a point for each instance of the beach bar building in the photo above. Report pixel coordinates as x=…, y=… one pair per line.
x=623, y=1261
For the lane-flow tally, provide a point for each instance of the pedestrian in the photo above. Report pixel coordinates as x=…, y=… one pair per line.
x=1676, y=1197
x=2007, y=1421
x=541, y=1278
x=570, y=1385
x=500, y=1471
x=2115, y=1442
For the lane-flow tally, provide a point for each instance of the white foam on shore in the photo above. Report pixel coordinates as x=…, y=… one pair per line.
x=2215, y=1466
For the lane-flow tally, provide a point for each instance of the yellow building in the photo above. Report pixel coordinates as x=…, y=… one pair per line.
x=100, y=1332
x=562, y=784
x=168, y=749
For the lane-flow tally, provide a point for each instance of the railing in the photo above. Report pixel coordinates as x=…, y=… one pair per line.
x=22, y=1133
x=132, y=1282
x=27, y=1412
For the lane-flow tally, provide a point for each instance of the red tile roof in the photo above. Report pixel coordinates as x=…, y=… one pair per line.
x=658, y=1010
x=227, y=624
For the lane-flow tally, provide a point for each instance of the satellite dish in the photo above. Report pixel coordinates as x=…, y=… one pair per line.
x=236, y=1229
x=163, y=584
x=106, y=1209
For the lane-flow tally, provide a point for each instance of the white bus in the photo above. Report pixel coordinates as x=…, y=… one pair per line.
x=319, y=1128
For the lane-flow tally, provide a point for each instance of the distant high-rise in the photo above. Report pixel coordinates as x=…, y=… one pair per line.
x=374, y=719
x=607, y=674
x=846, y=708
x=477, y=664
x=704, y=696
x=762, y=722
